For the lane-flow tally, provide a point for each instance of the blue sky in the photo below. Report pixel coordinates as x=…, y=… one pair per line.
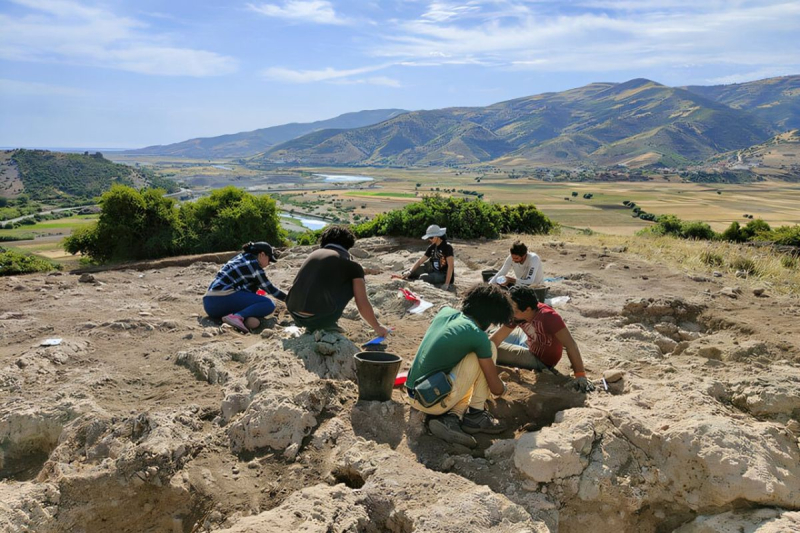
x=134, y=73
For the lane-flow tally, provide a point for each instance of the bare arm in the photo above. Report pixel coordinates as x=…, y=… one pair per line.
x=416, y=265
x=450, y=267
x=573, y=352
x=489, y=370
x=365, y=308
x=500, y=335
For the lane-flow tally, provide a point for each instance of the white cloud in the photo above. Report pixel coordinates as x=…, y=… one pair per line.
x=315, y=11
x=62, y=31
x=442, y=11
x=313, y=76
x=616, y=35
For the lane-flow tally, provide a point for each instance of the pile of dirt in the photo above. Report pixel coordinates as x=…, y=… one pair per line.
x=146, y=415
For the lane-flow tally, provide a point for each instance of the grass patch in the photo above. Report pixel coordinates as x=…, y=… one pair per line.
x=382, y=194
x=765, y=265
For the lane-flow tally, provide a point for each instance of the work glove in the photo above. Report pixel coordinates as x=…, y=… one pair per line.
x=582, y=384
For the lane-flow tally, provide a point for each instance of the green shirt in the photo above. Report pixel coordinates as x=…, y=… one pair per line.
x=451, y=336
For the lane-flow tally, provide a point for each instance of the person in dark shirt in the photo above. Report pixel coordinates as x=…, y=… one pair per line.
x=327, y=281
x=440, y=266
x=232, y=296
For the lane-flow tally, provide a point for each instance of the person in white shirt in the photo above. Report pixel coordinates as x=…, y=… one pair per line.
x=526, y=265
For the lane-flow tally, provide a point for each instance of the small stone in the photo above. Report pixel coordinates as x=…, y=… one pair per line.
x=86, y=278
x=613, y=375
x=758, y=292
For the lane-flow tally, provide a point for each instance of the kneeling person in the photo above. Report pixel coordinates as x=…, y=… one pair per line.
x=326, y=282
x=456, y=342
x=546, y=337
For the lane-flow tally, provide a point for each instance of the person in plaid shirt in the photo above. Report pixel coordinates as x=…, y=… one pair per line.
x=232, y=296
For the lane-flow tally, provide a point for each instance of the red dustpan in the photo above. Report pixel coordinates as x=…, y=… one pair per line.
x=400, y=380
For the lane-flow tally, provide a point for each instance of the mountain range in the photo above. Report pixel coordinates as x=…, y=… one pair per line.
x=252, y=142
x=639, y=122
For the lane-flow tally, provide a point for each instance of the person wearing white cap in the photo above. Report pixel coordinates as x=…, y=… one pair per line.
x=439, y=268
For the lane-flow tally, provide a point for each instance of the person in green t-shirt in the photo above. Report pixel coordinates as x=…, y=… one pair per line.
x=456, y=342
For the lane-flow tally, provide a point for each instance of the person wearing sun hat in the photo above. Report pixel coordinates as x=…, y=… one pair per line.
x=437, y=265
x=232, y=295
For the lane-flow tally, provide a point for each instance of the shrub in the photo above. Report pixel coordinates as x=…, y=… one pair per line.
x=789, y=262
x=697, y=231
x=309, y=238
x=668, y=225
x=733, y=233
x=712, y=259
x=13, y=263
x=785, y=235
x=746, y=264
x=466, y=219
x=756, y=229
x=145, y=225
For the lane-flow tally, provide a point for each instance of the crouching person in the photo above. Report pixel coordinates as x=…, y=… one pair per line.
x=545, y=335
x=457, y=345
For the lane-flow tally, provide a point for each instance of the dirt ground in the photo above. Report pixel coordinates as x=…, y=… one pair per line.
x=146, y=416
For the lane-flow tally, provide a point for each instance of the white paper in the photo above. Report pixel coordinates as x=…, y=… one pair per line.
x=293, y=331
x=51, y=342
x=420, y=307
x=557, y=301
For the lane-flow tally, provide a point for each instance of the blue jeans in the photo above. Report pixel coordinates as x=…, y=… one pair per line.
x=242, y=303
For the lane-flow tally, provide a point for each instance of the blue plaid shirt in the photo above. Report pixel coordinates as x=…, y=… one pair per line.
x=243, y=273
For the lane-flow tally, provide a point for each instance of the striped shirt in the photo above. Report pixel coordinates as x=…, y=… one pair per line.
x=243, y=273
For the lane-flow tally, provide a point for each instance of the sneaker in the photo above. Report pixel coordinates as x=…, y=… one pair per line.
x=336, y=328
x=448, y=428
x=482, y=422
x=236, y=322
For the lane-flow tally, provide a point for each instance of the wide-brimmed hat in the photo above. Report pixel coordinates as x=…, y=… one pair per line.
x=261, y=246
x=434, y=231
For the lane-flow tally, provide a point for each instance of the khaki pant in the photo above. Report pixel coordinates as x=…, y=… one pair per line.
x=470, y=389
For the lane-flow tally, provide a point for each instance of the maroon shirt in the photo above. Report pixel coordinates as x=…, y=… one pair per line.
x=541, y=332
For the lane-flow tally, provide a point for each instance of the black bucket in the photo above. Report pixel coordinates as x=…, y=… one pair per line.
x=488, y=274
x=541, y=293
x=376, y=372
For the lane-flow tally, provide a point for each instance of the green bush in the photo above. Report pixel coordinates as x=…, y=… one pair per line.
x=463, y=218
x=308, y=238
x=13, y=263
x=733, y=233
x=145, y=225
x=697, y=231
x=226, y=219
x=785, y=235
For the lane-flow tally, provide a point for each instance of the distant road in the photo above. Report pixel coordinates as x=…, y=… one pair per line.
x=59, y=210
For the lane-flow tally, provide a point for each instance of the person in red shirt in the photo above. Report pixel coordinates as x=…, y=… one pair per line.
x=546, y=338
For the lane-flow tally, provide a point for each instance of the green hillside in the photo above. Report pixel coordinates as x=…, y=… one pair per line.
x=52, y=176
x=776, y=100
x=601, y=123
x=249, y=143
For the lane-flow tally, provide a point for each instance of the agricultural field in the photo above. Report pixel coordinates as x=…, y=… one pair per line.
x=46, y=238
x=717, y=204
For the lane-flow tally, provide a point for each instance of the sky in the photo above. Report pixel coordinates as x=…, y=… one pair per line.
x=128, y=74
